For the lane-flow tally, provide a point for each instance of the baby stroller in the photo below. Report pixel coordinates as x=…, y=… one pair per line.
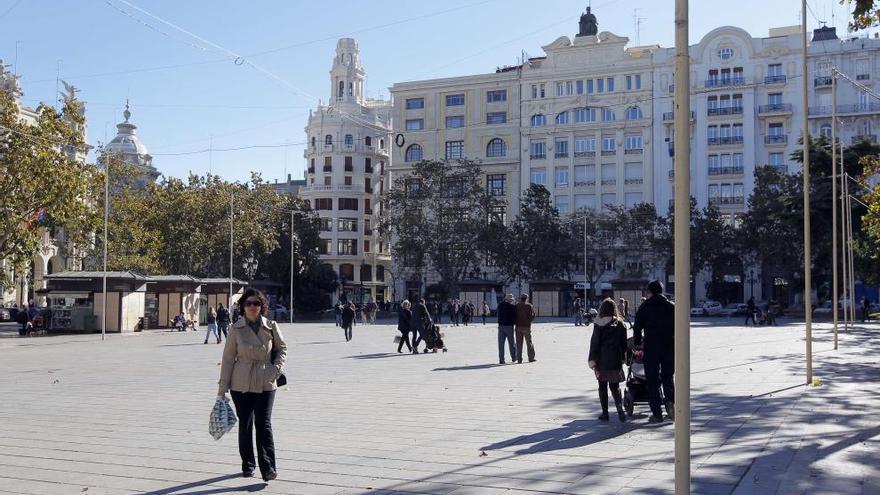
x=636, y=391
x=434, y=339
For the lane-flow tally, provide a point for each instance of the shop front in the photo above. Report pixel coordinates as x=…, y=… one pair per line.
x=169, y=295
x=76, y=300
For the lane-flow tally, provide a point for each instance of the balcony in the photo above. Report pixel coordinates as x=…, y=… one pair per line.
x=609, y=182
x=725, y=171
x=863, y=77
x=776, y=139
x=585, y=183
x=311, y=170
x=856, y=108
x=715, y=112
x=609, y=152
x=583, y=154
x=822, y=81
x=718, y=141
x=725, y=81
x=633, y=181
x=538, y=156
x=862, y=137
x=368, y=211
x=670, y=116
x=368, y=170
x=560, y=154
x=336, y=187
x=349, y=167
x=328, y=168
x=633, y=151
x=774, y=80
x=775, y=108
x=726, y=201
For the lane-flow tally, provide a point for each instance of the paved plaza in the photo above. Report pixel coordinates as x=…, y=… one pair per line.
x=130, y=414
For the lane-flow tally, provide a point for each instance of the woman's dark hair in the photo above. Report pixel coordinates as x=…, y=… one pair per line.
x=608, y=308
x=252, y=292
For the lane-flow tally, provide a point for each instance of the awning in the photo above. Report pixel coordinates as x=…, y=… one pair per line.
x=69, y=294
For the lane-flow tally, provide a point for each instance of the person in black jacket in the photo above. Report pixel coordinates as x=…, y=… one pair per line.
x=222, y=321
x=506, y=323
x=404, y=325
x=421, y=321
x=347, y=320
x=656, y=317
x=607, y=352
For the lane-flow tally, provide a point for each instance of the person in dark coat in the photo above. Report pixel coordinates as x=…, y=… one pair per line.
x=347, y=320
x=750, y=312
x=607, y=353
x=222, y=321
x=656, y=318
x=506, y=323
x=404, y=325
x=421, y=321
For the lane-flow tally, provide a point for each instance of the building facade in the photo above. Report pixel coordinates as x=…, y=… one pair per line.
x=128, y=147
x=347, y=154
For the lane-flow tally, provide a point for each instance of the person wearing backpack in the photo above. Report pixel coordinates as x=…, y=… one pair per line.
x=607, y=354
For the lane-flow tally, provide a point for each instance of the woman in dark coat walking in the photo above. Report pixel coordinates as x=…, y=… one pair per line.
x=607, y=353
x=348, y=318
x=404, y=325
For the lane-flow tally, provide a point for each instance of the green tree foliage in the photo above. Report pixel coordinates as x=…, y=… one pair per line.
x=44, y=186
x=867, y=249
x=865, y=14
x=437, y=218
x=537, y=240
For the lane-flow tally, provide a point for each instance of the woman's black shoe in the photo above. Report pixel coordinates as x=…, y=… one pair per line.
x=247, y=474
x=603, y=416
x=271, y=475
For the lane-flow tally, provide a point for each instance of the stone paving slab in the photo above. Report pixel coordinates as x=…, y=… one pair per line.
x=129, y=415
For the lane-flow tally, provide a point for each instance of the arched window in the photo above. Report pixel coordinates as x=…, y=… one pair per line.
x=633, y=113
x=539, y=120
x=562, y=118
x=349, y=140
x=866, y=128
x=341, y=91
x=496, y=147
x=350, y=89
x=582, y=115
x=314, y=139
x=382, y=144
x=368, y=141
x=413, y=153
x=607, y=115
x=328, y=139
x=825, y=130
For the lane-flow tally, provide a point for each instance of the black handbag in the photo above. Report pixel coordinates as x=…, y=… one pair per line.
x=281, y=380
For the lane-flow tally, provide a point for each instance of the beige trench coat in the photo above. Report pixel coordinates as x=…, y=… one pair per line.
x=246, y=365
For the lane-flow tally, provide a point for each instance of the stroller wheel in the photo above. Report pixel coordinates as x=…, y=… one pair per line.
x=628, y=404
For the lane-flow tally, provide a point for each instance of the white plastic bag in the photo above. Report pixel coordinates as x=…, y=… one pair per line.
x=222, y=418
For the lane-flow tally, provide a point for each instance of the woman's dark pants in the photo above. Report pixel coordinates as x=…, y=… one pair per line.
x=255, y=409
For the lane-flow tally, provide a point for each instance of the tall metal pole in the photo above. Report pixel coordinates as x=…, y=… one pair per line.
x=845, y=266
x=584, y=305
x=292, y=264
x=852, y=268
x=231, y=223
x=682, y=235
x=834, y=200
x=106, y=223
x=808, y=278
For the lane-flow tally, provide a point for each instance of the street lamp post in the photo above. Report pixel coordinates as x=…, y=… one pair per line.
x=808, y=276
x=292, y=264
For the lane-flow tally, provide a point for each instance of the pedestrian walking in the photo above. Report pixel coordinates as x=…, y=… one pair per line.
x=420, y=323
x=454, y=312
x=485, y=311
x=211, y=320
x=866, y=308
x=624, y=309
x=337, y=310
x=404, y=325
x=222, y=321
x=235, y=312
x=656, y=317
x=750, y=311
x=578, y=309
x=253, y=359
x=607, y=354
x=347, y=319
x=506, y=323
x=525, y=314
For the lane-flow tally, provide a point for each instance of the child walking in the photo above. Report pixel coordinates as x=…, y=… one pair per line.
x=607, y=353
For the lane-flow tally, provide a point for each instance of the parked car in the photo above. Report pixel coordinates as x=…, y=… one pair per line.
x=5, y=315
x=712, y=308
x=734, y=309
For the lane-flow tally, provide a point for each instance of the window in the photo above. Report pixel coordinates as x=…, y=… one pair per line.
x=538, y=149
x=541, y=90
x=584, y=145
x=638, y=81
x=324, y=203
x=328, y=164
x=413, y=186
x=349, y=140
x=455, y=121
x=415, y=124
x=579, y=86
x=380, y=269
x=631, y=199
x=538, y=120
x=496, y=118
x=367, y=208
x=713, y=163
x=632, y=173
x=415, y=103
x=584, y=175
x=609, y=199
x=347, y=225
x=534, y=91
x=776, y=129
x=582, y=115
x=774, y=99
x=609, y=144
x=324, y=246
x=629, y=82
x=328, y=139
x=607, y=115
x=561, y=176
x=538, y=176
x=367, y=229
x=610, y=84
x=368, y=185
x=313, y=141
x=633, y=113
x=712, y=132
x=774, y=70
x=633, y=142
x=737, y=103
x=348, y=164
x=496, y=148
x=562, y=118
x=347, y=180
x=776, y=160
x=714, y=192
x=589, y=86
x=368, y=166
x=368, y=141
x=454, y=100
x=725, y=53
x=600, y=85
x=738, y=132
x=348, y=204
x=495, y=184
x=496, y=95
x=560, y=148
x=825, y=130
x=560, y=89
x=561, y=203
x=346, y=246
x=454, y=150
x=864, y=101
x=609, y=173
x=413, y=153
x=569, y=88
x=584, y=201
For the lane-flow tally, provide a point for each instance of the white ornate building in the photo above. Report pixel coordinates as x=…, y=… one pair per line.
x=127, y=146
x=347, y=155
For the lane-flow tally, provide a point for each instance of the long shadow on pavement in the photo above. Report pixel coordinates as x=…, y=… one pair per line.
x=181, y=489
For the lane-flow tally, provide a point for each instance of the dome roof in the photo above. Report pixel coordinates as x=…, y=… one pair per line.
x=126, y=141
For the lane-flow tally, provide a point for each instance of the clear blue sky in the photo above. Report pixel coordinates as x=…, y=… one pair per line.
x=104, y=51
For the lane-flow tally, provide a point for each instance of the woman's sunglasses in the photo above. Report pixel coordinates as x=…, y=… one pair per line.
x=253, y=303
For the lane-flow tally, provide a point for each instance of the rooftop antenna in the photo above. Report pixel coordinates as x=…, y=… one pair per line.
x=637, y=21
